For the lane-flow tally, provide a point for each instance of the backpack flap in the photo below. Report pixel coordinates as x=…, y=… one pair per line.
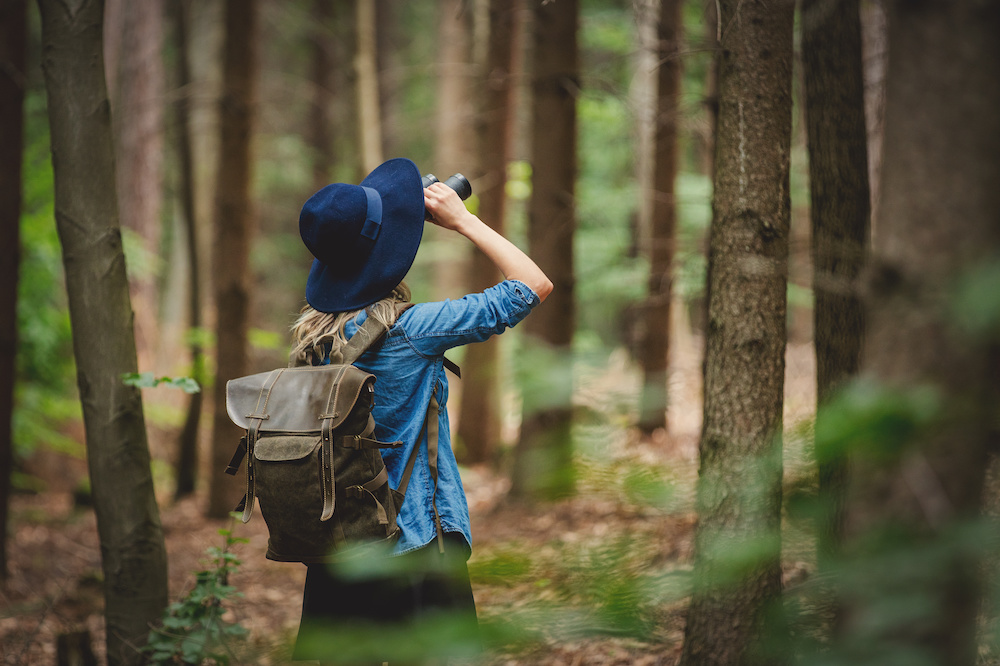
x=296, y=400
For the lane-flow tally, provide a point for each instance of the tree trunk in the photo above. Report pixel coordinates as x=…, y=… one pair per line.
x=737, y=574
x=73, y=648
x=663, y=221
x=138, y=125
x=13, y=62
x=128, y=521
x=479, y=425
x=233, y=231
x=369, y=109
x=321, y=75
x=388, y=74
x=839, y=196
x=875, y=52
x=454, y=136
x=187, y=450
x=932, y=327
x=543, y=460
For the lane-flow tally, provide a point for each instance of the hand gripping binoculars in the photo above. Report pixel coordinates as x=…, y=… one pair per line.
x=458, y=182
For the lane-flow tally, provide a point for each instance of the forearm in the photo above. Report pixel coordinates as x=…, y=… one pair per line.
x=507, y=257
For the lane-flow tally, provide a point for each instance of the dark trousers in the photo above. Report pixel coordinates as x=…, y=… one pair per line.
x=405, y=609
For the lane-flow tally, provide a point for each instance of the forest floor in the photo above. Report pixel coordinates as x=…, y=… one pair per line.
x=596, y=579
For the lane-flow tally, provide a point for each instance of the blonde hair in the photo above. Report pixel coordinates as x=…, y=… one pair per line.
x=314, y=329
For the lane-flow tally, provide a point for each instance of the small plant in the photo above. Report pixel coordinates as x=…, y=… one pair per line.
x=193, y=630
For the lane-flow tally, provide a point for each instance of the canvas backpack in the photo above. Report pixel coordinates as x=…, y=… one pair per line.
x=313, y=463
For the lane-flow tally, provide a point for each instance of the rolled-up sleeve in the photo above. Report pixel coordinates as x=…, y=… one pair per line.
x=433, y=328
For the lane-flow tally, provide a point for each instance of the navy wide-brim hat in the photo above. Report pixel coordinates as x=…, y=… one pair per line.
x=364, y=237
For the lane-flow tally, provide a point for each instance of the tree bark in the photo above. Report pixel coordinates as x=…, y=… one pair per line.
x=932, y=320
x=187, y=449
x=840, y=199
x=543, y=459
x=663, y=221
x=737, y=574
x=479, y=425
x=233, y=231
x=13, y=64
x=128, y=521
x=138, y=125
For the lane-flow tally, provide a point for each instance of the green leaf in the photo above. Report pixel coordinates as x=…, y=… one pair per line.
x=149, y=380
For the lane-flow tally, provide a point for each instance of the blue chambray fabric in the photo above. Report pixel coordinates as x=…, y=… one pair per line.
x=409, y=367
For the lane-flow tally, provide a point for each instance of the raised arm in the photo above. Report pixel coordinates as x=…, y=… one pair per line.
x=449, y=212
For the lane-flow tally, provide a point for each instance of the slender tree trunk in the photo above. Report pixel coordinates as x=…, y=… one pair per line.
x=138, y=124
x=389, y=72
x=932, y=321
x=128, y=521
x=875, y=51
x=321, y=76
x=663, y=220
x=369, y=108
x=187, y=454
x=13, y=63
x=737, y=575
x=839, y=196
x=479, y=425
x=454, y=136
x=454, y=130
x=233, y=231
x=543, y=460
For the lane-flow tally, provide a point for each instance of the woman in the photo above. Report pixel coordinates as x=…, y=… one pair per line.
x=364, y=239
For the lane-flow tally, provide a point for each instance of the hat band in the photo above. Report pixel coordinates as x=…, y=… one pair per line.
x=372, y=226
x=373, y=220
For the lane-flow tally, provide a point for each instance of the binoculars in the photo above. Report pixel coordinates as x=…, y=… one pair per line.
x=458, y=182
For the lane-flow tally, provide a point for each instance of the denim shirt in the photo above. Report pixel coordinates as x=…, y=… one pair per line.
x=409, y=368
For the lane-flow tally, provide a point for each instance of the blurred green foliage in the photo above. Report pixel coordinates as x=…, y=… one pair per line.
x=45, y=393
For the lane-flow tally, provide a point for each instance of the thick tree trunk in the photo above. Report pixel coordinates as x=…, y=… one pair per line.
x=233, y=231
x=663, y=221
x=839, y=196
x=138, y=124
x=479, y=425
x=13, y=61
x=737, y=575
x=543, y=460
x=187, y=450
x=932, y=327
x=128, y=521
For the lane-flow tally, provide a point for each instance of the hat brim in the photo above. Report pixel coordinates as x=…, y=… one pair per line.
x=398, y=183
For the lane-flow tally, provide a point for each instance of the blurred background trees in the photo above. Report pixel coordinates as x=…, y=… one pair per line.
x=628, y=146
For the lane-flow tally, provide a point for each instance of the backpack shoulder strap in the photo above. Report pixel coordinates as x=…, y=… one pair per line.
x=366, y=335
x=431, y=428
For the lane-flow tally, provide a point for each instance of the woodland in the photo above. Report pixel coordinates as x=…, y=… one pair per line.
x=756, y=421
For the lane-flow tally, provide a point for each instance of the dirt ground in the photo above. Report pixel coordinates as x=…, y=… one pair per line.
x=55, y=585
